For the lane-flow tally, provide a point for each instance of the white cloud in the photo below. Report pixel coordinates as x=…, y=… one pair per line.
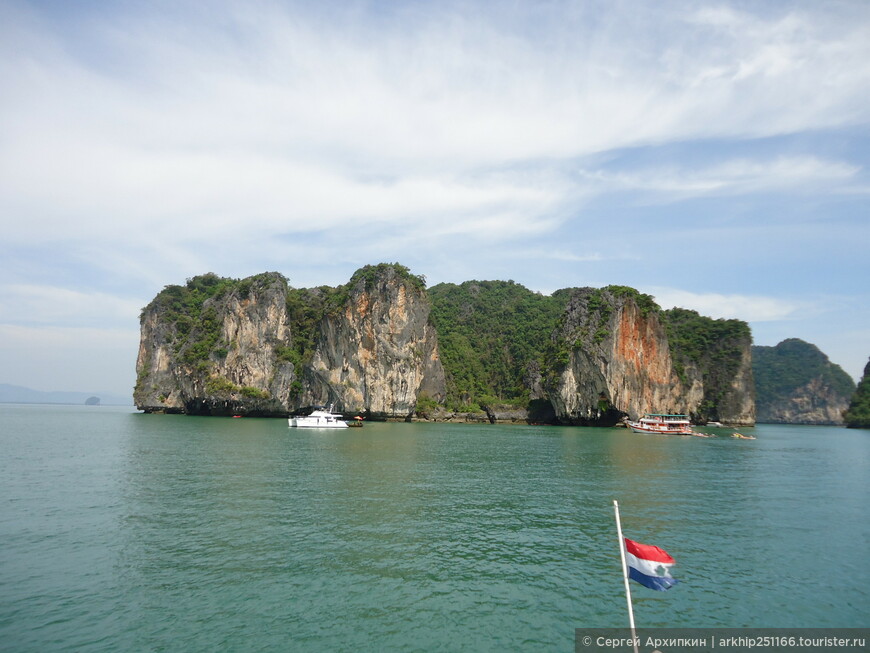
x=751, y=308
x=33, y=304
x=290, y=123
x=795, y=174
x=556, y=253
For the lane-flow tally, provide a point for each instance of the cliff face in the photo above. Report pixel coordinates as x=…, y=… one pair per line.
x=718, y=355
x=732, y=396
x=379, y=353
x=614, y=358
x=812, y=403
x=797, y=384
x=224, y=347
x=618, y=362
x=222, y=360
x=581, y=356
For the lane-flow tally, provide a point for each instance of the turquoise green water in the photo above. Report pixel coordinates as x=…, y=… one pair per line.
x=123, y=531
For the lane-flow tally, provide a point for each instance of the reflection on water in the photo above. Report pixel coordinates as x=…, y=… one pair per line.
x=205, y=533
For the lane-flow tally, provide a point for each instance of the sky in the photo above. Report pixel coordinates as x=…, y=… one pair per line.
x=712, y=154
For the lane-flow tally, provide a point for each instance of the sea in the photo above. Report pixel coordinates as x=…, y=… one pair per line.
x=121, y=531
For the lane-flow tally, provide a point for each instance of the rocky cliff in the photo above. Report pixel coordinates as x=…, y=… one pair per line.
x=379, y=353
x=717, y=353
x=858, y=414
x=612, y=357
x=211, y=348
x=224, y=347
x=797, y=384
x=374, y=346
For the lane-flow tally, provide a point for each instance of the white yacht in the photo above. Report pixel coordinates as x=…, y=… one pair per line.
x=318, y=418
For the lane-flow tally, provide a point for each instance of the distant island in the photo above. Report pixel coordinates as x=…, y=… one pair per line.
x=16, y=394
x=797, y=384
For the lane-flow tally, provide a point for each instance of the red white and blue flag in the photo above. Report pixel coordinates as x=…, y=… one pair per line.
x=649, y=565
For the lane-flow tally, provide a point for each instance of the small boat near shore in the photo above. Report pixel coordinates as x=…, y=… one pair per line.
x=664, y=424
x=318, y=418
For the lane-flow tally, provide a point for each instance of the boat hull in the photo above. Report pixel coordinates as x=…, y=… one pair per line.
x=641, y=429
x=319, y=419
x=317, y=425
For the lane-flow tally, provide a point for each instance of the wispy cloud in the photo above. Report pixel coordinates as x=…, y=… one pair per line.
x=287, y=123
x=751, y=308
x=794, y=174
x=28, y=304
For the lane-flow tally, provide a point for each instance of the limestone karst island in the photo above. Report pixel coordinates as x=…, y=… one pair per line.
x=385, y=347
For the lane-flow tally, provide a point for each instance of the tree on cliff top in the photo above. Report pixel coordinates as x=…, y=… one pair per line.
x=857, y=416
x=187, y=301
x=370, y=274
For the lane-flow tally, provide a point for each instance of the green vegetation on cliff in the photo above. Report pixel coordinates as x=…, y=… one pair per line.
x=646, y=303
x=193, y=320
x=790, y=365
x=498, y=342
x=714, y=346
x=489, y=333
x=704, y=341
x=195, y=324
x=307, y=307
x=181, y=305
x=369, y=274
x=858, y=414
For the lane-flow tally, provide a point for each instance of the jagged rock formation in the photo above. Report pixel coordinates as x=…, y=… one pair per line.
x=212, y=348
x=586, y=356
x=858, y=414
x=225, y=347
x=797, y=384
x=613, y=358
x=581, y=356
x=380, y=352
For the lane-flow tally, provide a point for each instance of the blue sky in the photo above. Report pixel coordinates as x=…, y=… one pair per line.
x=714, y=155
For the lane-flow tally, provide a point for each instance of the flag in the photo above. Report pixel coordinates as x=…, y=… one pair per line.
x=649, y=565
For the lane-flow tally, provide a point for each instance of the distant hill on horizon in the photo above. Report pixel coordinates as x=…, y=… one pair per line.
x=16, y=394
x=796, y=383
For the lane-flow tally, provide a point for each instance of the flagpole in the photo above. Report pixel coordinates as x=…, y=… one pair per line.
x=625, y=575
